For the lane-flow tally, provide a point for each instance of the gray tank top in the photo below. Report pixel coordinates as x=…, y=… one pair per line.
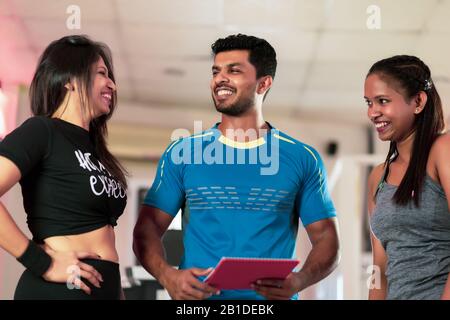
x=416, y=241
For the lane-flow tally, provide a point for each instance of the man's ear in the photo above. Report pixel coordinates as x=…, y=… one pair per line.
x=421, y=101
x=264, y=84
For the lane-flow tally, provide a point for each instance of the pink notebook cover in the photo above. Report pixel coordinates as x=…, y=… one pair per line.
x=240, y=273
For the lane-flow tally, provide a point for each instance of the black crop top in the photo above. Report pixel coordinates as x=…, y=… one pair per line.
x=65, y=189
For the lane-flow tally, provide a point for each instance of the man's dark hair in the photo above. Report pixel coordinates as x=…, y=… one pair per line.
x=261, y=54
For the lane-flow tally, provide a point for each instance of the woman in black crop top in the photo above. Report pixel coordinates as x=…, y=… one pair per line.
x=73, y=188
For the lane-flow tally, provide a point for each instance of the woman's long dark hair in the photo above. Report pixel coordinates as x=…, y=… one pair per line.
x=72, y=58
x=412, y=75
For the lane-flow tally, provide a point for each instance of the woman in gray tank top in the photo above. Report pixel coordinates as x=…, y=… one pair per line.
x=409, y=194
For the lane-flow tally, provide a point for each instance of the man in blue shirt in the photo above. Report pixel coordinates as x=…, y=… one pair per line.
x=242, y=187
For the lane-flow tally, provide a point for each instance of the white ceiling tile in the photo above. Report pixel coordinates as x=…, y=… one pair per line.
x=307, y=14
x=434, y=48
x=294, y=46
x=283, y=15
x=439, y=21
x=364, y=46
x=347, y=15
x=406, y=15
x=167, y=42
x=99, y=10
x=174, y=12
x=409, y=15
x=192, y=73
x=43, y=32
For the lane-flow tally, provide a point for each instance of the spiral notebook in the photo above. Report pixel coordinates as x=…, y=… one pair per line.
x=240, y=273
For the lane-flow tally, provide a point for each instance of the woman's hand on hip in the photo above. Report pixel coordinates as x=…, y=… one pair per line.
x=67, y=267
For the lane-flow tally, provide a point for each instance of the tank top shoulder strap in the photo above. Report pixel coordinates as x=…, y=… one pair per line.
x=383, y=179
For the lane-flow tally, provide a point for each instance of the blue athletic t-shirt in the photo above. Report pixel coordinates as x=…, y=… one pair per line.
x=240, y=199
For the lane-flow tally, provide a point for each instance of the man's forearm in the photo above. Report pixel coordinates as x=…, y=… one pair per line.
x=322, y=260
x=150, y=252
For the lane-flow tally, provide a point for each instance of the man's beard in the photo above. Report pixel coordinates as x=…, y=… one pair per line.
x=236, y=109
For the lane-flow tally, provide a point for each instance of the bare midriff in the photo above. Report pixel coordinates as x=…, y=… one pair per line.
x=100, y=242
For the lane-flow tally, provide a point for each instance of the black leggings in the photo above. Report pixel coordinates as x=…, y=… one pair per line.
x=31, y=287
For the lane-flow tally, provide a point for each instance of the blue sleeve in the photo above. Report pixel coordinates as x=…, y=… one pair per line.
x=313, y=200
x=167, y=192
